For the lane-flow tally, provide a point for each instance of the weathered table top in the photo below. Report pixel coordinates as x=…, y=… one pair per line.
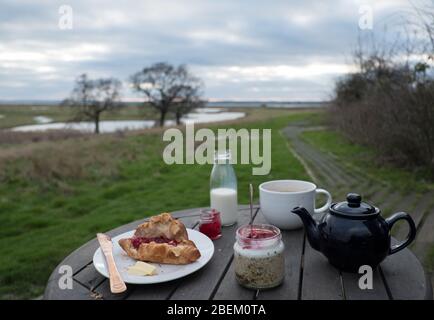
x=308, y=274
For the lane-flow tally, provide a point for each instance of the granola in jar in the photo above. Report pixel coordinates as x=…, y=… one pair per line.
x=258, y=256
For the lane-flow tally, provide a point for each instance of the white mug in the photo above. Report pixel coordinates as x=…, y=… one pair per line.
x=277, y=199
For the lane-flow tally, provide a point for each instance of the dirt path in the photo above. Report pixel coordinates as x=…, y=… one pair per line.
x=340, y=178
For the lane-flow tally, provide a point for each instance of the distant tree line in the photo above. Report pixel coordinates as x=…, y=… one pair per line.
x=165, y=88
x=389, y=102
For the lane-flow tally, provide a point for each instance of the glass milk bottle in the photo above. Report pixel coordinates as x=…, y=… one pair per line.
x=223, y=189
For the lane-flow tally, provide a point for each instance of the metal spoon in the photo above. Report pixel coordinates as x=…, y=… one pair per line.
x=251, y=206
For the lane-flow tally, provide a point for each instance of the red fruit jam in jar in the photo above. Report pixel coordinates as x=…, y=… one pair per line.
x=210, y=223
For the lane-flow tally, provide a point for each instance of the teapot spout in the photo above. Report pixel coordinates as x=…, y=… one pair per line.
x=310, y=226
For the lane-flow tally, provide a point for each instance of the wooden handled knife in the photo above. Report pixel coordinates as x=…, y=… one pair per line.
x=117, y=285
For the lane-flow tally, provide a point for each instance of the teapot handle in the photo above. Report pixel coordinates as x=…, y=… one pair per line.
x=411, y=234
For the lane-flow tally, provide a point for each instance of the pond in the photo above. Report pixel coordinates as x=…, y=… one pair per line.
x=42, y=119
x=107, y=126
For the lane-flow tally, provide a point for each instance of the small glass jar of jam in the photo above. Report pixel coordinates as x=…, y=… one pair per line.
x=258, y=256
x=210, y=223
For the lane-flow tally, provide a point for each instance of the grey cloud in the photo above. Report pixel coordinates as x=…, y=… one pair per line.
x=123, y=36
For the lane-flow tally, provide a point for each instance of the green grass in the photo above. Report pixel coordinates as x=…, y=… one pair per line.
x=17, y=115
x=12, y=116
x=364, y=158
x=44, y=218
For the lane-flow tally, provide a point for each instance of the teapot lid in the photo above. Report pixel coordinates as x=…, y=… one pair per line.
x=354, y=207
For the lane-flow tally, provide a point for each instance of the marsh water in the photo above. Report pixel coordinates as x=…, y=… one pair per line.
x=204, y=115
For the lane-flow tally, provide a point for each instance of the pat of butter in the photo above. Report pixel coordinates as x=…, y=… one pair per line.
x=142, y=269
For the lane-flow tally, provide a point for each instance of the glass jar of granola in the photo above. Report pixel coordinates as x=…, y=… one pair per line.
x=258, y=256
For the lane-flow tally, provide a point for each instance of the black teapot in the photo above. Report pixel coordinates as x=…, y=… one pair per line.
x=353, y=233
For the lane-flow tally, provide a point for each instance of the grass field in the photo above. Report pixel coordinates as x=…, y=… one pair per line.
x=365, y=157
x=59, y=194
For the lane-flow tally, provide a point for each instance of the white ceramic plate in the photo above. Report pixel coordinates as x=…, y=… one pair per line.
x=166, y=272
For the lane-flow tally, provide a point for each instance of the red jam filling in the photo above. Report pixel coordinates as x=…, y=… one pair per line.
x=254, y=233
x=253, y=237
x=137, y=241
x=211, y=229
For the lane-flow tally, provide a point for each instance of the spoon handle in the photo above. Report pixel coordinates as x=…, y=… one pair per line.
x=251, y=203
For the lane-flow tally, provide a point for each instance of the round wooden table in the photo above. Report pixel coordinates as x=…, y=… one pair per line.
x=308, y=273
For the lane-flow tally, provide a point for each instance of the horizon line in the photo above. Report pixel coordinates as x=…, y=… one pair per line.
x=42, y=101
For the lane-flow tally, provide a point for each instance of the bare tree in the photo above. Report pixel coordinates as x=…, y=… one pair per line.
x=91, y=98
x=423, y=19
x=168, y=89
x=388, y=103
x=191, y=99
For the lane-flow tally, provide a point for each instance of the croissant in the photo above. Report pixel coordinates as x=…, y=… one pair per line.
x=162, y=239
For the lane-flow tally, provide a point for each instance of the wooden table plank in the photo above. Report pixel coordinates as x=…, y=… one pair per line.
x=320, y=280
x=77, y=260
x=293, y=241
x=353, y=292
x=103, y=291
x=89, y=277
x=229, y=289
x=78, y=292
x=405, y=276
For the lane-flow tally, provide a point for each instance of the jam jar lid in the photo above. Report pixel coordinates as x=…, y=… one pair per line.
x=354, y=207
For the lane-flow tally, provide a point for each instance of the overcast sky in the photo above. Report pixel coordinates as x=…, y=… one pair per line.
x=242, y=49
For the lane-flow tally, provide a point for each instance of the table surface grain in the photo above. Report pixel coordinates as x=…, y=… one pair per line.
x=308, y=275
